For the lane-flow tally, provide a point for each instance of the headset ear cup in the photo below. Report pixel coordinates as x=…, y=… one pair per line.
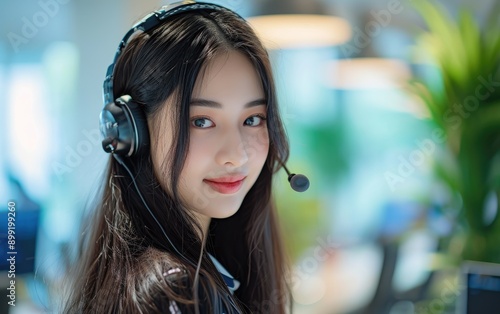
x=140, y=126
x=109, y=127
x=137, y=124
x=124, y=127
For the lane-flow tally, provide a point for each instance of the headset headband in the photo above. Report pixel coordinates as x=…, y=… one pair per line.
x=149, y=22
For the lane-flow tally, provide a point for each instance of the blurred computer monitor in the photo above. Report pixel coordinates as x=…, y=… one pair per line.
x=480, y=289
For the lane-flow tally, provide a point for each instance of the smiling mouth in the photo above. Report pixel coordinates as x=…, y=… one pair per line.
x=225, y=185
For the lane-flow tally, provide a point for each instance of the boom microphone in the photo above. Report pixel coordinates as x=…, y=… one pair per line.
x=298, y=182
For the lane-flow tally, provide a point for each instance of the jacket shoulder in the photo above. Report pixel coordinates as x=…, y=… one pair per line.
x=166, y=264
x=162, y=281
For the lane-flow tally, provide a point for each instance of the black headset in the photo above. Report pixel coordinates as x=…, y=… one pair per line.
x=122, y=122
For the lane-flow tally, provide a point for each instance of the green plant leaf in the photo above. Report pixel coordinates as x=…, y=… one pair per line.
x=471, y=40
x=467, y=56
x=449, y=55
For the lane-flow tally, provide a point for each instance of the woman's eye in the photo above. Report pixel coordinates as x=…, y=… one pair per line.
x=202, y=123
x=255, y=120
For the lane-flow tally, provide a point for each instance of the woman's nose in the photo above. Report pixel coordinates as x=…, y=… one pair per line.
x=232, y=150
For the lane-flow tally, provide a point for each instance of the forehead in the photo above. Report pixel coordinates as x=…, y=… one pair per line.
x=227, y=75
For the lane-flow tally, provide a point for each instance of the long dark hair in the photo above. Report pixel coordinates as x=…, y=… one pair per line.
x=125, y=263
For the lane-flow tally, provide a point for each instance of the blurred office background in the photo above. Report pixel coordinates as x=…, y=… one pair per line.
x=366, y=235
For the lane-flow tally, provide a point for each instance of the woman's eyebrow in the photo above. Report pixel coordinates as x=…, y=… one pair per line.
x=214, y=104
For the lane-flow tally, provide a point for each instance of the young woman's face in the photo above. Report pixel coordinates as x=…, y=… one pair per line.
x=228, y=143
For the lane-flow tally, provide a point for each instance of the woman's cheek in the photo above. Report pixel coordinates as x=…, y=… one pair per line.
x=257, y=145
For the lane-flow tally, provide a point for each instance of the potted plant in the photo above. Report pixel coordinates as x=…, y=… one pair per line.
x=465, y=108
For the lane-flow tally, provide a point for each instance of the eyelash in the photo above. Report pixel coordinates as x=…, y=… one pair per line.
x=260, y=116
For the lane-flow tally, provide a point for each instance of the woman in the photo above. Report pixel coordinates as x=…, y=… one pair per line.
x=196, y=195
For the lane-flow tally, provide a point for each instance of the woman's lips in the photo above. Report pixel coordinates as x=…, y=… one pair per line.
x=226, y=185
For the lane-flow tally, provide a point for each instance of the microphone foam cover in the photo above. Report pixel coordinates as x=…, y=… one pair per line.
x=299, y=182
